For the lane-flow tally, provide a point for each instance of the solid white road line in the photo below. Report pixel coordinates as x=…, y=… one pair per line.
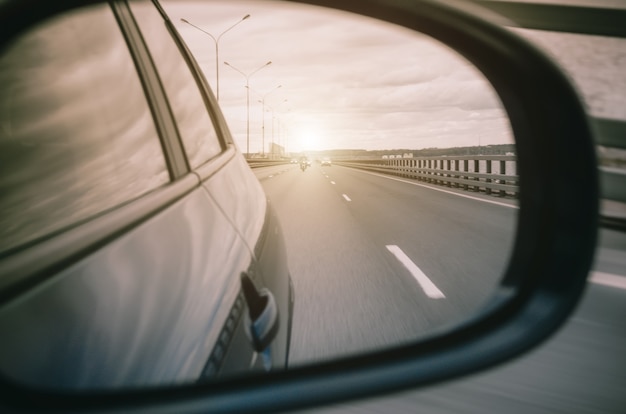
x=425, y=283
x=346, y=197
x=608, y=279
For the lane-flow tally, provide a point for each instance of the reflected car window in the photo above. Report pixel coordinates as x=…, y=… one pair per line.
x=76, y=133
x=194, y=123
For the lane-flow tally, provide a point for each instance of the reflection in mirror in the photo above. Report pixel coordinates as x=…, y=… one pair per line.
x=68, y=97
x=390, y=241
x=388, y=160
x=407, y=228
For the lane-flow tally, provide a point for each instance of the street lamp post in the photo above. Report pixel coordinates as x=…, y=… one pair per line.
x=273, y=118
x=262, y=101
x=248, y=100
x=283, y=129
x=217, y=58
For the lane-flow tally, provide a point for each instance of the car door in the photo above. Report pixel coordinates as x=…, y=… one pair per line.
x=225, y=176
x=117, y=268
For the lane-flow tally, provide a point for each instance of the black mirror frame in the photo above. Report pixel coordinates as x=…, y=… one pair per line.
x=544, y=280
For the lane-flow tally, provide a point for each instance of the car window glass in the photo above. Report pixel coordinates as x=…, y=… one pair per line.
x=76, y=133
x=192, y=116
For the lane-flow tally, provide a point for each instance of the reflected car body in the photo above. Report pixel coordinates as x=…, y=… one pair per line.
x=128, y=216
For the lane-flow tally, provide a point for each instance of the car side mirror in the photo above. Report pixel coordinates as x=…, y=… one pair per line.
x=543, y=280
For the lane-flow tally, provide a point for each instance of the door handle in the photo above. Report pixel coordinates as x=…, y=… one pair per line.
x=261, y=320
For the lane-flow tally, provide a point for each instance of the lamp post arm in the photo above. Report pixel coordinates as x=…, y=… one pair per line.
x=222, y=34
x=231, y=66
x=217, y=54
x=202, y=30
x=255, y=71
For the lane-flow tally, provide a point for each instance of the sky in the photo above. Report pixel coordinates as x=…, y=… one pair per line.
x=345, y=81
x=340, y=81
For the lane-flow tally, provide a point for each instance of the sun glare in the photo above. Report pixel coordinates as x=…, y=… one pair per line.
x=309, y=139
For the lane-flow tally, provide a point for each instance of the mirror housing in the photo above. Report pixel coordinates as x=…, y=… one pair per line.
x=543, y=282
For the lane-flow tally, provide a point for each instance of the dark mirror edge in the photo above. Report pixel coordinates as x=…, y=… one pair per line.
x=553, y=249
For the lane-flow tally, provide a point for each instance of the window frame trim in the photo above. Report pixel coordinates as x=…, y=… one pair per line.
x=157, y=100
x=25, y=266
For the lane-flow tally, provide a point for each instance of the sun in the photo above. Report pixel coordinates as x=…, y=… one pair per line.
x=308, y=134
x=310, y=141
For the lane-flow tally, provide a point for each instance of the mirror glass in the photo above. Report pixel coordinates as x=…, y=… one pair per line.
x=387, y=158
x=376, y=259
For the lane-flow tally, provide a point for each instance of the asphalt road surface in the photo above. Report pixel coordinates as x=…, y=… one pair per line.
x=378, y=260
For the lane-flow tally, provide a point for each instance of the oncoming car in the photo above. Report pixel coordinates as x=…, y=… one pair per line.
x=136, y=246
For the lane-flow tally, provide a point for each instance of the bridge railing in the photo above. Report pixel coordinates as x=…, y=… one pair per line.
x=492, y=174
x=260, y=162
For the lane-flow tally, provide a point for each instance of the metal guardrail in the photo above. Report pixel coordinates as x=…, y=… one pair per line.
x=466, y=173
x=613, y=183
x=256, y=163
x=608, y=133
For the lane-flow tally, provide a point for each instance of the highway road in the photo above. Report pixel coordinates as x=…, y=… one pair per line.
x=377, y=261
x=356, y=291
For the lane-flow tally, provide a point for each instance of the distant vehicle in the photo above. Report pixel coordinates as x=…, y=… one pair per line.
x=326, y=161
x=293, y=161
x=304, y=163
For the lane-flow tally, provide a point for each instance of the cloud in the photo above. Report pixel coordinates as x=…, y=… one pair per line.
x=363, y=83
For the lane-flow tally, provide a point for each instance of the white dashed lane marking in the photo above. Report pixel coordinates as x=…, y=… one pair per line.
x=425, y=283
